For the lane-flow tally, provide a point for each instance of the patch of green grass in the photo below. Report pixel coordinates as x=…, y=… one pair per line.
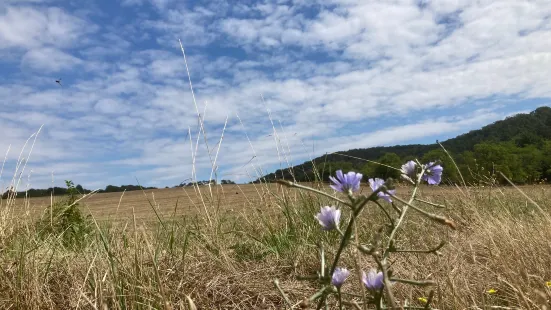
x=66, y=220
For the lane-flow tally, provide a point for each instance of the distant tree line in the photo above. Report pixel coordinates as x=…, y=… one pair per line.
x=521, y=163
x=205, y=182
x=56, y=191
x=62, y=191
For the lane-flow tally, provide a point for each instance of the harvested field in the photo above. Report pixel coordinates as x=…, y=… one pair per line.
x=230, y=198
x=187, y=200
x=182, y=201
x=226, y=253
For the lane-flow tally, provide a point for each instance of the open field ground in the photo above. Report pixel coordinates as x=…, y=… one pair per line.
x=183, y=201
x=192, y=200
x=224, y=250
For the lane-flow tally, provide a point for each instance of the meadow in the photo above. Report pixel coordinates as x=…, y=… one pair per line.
x=222, y=247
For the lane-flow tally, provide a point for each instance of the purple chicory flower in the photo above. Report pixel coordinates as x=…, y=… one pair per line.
x=408, y=170
x=373, y=280
x=329, y=217
x=346, y=182
x=376, y=183
x=433, y=173
x=339, y=276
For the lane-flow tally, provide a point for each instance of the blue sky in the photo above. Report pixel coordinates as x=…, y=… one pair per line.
x=334, y=74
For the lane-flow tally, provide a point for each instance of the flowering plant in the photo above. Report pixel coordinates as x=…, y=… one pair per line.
x=378, y=282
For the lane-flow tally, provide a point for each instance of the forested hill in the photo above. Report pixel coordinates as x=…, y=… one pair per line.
x=519, y=146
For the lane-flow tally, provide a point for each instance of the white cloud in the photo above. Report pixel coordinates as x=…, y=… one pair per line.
x=111, y=106
x=26, y=27
x=49, y=60
x=191, y=26
x=167, y=68
x=343, y=74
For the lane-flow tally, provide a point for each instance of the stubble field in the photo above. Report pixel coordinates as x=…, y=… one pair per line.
x=165, y=201
x=190, y=201
x=159, y=249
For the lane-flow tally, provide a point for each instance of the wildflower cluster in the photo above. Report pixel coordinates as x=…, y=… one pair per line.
x=378, y=282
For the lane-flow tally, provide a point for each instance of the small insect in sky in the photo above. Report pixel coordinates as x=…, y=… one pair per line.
x=58, y=82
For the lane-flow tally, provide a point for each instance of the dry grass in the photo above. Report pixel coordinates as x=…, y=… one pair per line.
x=181, y=201
x=228, y=259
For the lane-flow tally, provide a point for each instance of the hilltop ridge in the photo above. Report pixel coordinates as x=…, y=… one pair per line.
x=529, y=134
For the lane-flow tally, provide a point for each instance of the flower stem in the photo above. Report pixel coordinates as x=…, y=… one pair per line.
x=293, y=184
x=414, y=282
x=431, y=203
x=357, y=209
x=357, y=263
x=322, y=256
x=433, y=250
x=386, y=281
x=287, y=301
x=429, y=300
x=437, y=218
x=386, y=213
x=403, y=215
x=340, y=298
x=383, y=264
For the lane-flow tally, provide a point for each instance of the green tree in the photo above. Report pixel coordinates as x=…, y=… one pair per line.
x=522, y=165
x=528, y=139
x=388, y=159
x=529, y=164
x=112, y=188
x=468, y=166
x=491, y=158
x=546, y=161
x=368, y=170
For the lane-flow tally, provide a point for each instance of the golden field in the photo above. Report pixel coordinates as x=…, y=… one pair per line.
x=187, y=200
x=223, y=251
